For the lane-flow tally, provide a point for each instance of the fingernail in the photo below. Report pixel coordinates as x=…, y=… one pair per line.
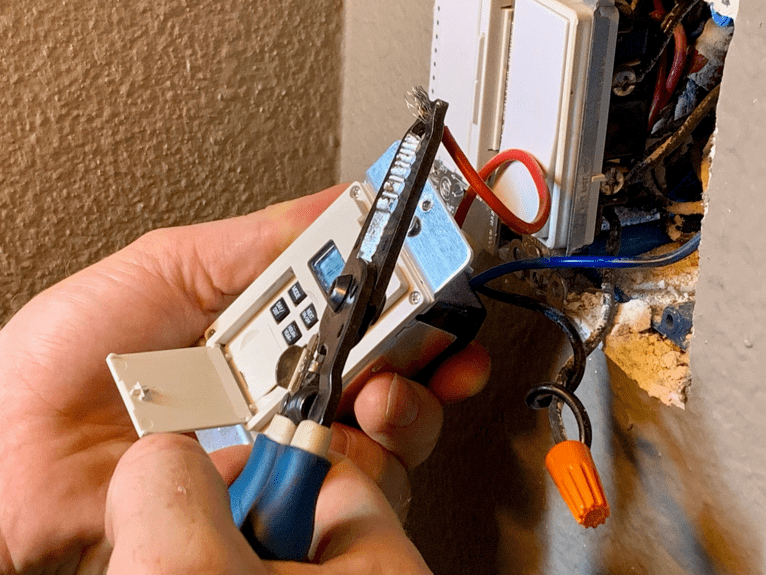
x=403, y=406
x=339, y=441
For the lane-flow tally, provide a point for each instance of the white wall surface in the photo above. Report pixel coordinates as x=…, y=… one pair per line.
x=386, y=47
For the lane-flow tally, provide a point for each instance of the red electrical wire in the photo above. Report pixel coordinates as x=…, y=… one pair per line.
x=659, y=91
x=476, y=181
x=679, y=59
x=665, y=87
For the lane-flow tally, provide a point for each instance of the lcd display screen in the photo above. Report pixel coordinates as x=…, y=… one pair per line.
x=327, y=265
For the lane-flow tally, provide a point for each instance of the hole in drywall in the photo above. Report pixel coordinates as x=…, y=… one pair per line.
x=626, y=153
x=659, y=124
x=665, y=170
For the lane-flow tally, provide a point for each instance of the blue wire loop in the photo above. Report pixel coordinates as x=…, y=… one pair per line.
x=588, y=262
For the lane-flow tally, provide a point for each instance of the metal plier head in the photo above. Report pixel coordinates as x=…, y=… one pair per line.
x=358, y=295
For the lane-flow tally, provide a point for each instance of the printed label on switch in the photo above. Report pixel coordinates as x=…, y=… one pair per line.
x=296, y=293
x=291, y=333
x=279, y=310
x=309, y=316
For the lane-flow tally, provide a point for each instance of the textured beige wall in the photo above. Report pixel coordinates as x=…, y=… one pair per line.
x=122, y=116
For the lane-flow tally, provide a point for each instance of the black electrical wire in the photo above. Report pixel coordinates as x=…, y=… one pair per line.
x=550, y=395
x=672, y=142
x=607, y=283
x=573, y=370
x=540, y=392
x=608, y=308
x=613, y=243
x=676, y=14
x=568, y=376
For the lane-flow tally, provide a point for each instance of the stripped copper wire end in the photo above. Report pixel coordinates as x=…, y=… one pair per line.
x=419, y=104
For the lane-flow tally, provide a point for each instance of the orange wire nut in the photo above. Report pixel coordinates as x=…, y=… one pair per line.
x=572, y=469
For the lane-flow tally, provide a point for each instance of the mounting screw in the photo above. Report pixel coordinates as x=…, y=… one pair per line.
x=415, y=298
x=614, y=179
x=426, y=205
x=624, y=81
x=355, y=190
x=556, y=293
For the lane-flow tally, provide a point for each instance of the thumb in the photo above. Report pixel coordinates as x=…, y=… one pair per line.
x=356, y=531
x=168, y=512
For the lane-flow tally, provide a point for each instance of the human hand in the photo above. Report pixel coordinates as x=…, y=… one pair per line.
x=65, y=426
x=167, y=512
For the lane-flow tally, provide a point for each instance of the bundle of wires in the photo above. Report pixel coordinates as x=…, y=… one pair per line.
x=551, y=395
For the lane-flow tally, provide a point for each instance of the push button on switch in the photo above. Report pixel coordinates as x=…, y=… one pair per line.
x=296, y=293
x=279, y=310
x=291, y=333
x=309, y=316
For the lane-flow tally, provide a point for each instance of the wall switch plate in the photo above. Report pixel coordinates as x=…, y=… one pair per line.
x=534, y=75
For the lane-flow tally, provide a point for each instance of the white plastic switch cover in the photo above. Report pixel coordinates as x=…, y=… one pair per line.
x=457, y=36
x=469, y=53
x=556, y=107
x=469, y=56
x=178, y=390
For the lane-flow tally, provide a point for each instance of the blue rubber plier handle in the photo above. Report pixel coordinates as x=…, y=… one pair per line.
x=278, y=491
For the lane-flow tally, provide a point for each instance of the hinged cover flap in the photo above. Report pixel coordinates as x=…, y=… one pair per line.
x=178, y=390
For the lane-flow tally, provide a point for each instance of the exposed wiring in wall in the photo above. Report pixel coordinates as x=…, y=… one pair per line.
x=478, y=186
x=668, y=26
x=570, y=375
x=659, y=92
x=665, y=86
x=607, y=283
x=673, y=141
x=596, y=336
x=676, y=14
x=587, y=262
x=608, y=307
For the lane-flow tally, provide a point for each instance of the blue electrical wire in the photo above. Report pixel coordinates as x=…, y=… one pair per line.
x=588, y=262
